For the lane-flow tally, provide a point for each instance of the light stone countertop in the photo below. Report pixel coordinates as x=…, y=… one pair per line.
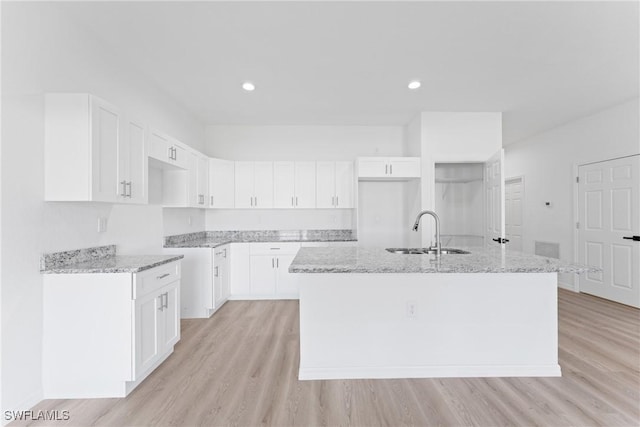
x=114, y=264
x=378, y=260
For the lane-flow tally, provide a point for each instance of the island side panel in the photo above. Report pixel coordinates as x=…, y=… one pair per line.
x=463, y=325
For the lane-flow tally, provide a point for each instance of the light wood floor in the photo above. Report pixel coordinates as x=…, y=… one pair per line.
x=240, y=368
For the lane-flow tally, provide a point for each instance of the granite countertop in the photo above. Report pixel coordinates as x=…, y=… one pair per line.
x=101, y=259
x=213, y=239
x=378, y=260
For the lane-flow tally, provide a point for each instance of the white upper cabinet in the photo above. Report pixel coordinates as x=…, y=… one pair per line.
x=132, y=164
x=190, y=187
x=334, y=185
x=168, y=150
x=294, y=184
x=221, y=184
x=82, y=135
x=254, y=185
x=388, y=168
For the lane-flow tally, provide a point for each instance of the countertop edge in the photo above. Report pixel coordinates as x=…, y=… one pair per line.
x=110, y=270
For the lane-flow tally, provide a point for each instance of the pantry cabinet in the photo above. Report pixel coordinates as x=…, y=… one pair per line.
x=253, y=185
x=294, y=185
x=221, y=184
x=335, y=185
x=388, y=168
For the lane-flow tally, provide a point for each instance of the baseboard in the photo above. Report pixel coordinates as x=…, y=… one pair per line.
x=567, y=286
x=261, y=297
x=429, y=372
x=25, y=405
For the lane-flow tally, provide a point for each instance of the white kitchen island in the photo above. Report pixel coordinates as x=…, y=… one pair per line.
x=368, y=313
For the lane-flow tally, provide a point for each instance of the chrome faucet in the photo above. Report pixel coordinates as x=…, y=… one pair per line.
x=437, y=220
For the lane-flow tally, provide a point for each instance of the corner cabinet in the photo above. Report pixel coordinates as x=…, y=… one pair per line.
x=167, y=150
x=105, y=333
x=335, y=184
x=388, y=168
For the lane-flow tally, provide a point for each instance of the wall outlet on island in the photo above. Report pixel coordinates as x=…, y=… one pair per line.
x=411, y=309
x=102, y=224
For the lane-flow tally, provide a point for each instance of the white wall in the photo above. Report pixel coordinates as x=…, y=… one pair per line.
x=413, y=189
x=454, y=138
x=547, y=161
x=296, y=143
x=43, y=52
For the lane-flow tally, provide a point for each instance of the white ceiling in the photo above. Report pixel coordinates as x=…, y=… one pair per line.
x=348, y=63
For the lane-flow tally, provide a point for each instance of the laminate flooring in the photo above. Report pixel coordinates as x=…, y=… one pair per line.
x=239, y=368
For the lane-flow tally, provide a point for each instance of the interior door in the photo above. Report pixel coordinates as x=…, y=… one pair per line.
x=608, y=218
x=494, y=199
x=513, y=201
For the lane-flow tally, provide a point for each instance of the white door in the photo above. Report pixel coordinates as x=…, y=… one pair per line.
x=494, y=199
x=404, y=167
x=105, y=132
x=609, y=217
x=221, y=183
x=325, y=184
x=263, y=275
x=171, y=316
x=263, y=184
x=148, y=309
x=513, y=204
x=284, y=185
x=287, y=283
x=137, y=162
x=305, y=175
x=345, y=182
x=244, y=184
x=373, y=167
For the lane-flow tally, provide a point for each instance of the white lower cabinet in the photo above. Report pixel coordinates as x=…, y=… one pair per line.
x=221, y=283
x=269, y=270
x=103, y=334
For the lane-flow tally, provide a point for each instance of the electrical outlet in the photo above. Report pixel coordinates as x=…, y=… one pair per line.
x=102, y=224
x=189, y=220
x=411, y=309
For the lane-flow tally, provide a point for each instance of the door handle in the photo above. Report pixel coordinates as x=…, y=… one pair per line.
x=296, y=200
x=333, y=200
x=161, y=298
x=634, y=238
x=386, y=169
x=500, y=240
x=292, y=201
x=337, y=201
x=128, y=185
x=211, y=200
x=215, y=271
x=272, y=263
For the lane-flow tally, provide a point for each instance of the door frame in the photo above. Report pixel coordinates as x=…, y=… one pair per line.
x=515, y=179
x=576, y=214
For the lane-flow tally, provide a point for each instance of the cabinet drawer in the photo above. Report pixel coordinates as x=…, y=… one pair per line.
x=155, y=278
x=274, y=248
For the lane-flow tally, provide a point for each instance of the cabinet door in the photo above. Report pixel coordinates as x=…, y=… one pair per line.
x=305, y=185
x=373, y=167
x=244, y=184
x=345, y=182
x=263, y=275
x=284, y=184
x=138, y=165
x=325, y=184
x=170, y=317
x=148, y=310
x=180, y=155
x=221, y=183
x=159, y=145
x=226, y=276
x=218, y=277
x=287, y=283
x=263, y=184
x=105, y=134
x=240, y=271
x=192, y=180
x=404, y=167
x=203, y=180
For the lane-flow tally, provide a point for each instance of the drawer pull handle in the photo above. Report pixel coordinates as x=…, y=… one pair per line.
x=163, y=276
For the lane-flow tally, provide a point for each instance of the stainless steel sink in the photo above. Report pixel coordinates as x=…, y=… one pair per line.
x=425, y=251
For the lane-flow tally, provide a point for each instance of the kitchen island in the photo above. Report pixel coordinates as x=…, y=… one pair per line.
x=369, y=313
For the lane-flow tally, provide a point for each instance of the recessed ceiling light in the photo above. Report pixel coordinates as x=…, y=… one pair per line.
x=414, y=84
x=248, y=86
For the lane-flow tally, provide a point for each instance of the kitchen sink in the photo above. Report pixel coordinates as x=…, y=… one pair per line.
x=425, y=251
